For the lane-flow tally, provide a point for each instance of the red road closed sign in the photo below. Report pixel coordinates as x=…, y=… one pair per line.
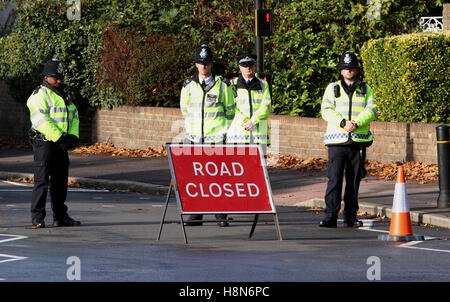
x=220, y=179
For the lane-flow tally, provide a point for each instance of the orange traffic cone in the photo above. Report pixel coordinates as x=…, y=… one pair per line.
x=400, y=228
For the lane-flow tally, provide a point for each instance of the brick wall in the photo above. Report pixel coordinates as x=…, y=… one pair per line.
x=142, y=127
x=14, y=116
x=137, y=127
x=15, y=119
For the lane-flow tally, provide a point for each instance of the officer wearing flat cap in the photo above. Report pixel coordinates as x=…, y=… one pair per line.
x=348, y=106
x=207, y=105
x=253, y=101
x=54, y=131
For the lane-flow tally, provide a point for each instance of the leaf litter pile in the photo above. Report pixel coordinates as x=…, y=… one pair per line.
x=108, y=148
x=414, y=171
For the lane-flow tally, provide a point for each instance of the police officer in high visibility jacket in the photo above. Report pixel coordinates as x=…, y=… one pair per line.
x=207, y=104
x=348, y=106
x=54, y=130
x=252, y=98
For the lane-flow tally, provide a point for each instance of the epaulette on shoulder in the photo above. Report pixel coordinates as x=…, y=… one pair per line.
x=36, y=90
x=187, y=81
x=363, y=87
x=225, y=80
x=336, y=89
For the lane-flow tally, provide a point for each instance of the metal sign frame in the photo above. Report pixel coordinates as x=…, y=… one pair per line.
x=173, y=185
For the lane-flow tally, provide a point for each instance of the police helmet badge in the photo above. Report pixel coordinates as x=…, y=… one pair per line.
x=60, y=68
x=347, y=58
x=203, y=53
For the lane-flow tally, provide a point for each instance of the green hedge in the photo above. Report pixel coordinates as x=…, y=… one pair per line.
x=139, y=52
x=410, y=76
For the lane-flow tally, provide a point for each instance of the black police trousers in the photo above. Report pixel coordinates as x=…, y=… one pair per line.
x=348, y=158
x=51, y=170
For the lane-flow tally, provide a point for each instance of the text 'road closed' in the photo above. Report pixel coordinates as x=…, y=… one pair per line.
x=217, y=190
x=211, y=182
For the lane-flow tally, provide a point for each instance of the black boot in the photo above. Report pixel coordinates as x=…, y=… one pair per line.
x=328, y=223
x=352, y=223
x=192, y=220
x=66, y=222
x=222, y=220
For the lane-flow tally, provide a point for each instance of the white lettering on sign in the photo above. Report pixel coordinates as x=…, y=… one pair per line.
x=224, y=170
x=234, y=169
x=239, y=189
x=198, y=168
x=188, y=192
x=227, y=189
x=219, y=190
x=212, y=169
x=253, y=194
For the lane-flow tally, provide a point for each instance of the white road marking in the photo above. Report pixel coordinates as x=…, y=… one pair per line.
x=30, y=186
x=411, y=244
x=69, y=190
x=15, y=237
x=17, y=183
x=11, y=258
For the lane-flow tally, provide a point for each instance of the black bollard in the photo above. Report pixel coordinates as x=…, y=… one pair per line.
x=443, y=151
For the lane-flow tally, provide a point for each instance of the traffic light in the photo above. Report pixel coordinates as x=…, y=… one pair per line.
x=263, y=21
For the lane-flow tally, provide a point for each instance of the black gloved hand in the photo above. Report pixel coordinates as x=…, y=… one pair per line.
x=72, y=140
x=63, y=142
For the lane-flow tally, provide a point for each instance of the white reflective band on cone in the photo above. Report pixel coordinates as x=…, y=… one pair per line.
x=400, y=204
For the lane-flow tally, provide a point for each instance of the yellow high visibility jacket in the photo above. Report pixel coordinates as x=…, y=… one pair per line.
x=50, y=114
x=207, y=112
x=252, y=102
x=359, y=106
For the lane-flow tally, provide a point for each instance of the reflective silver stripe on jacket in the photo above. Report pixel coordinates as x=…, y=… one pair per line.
x=49, y=102
x=207, y=114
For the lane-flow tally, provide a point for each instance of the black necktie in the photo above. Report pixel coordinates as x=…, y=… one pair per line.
x=203, y=84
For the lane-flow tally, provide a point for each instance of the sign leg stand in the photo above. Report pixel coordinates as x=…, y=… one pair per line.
x=253, y=226
x=275, y=218
x=165, y=210
x=184, y=230
x=164, y=215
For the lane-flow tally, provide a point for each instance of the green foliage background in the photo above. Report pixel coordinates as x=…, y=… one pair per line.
x=411, y=77
x=139, y=52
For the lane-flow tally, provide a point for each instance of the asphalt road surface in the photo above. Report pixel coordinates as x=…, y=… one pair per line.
x=117, y=242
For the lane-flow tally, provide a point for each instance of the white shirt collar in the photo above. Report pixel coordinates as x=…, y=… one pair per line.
x=207, y=81
x=247, y=80
x=348, y=83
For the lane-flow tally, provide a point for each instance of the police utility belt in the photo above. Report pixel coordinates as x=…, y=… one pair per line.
x=36, y=135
